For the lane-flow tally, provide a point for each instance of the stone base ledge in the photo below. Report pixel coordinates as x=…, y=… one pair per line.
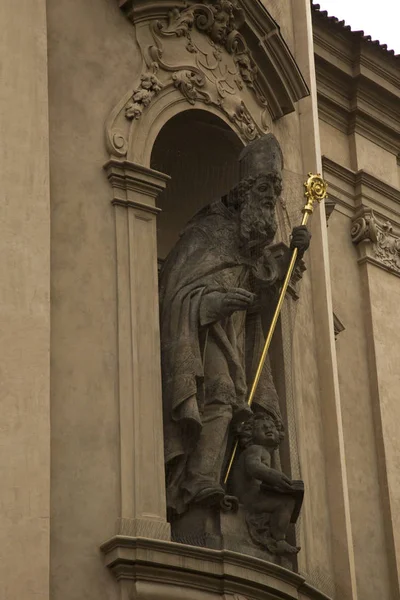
x=143, y=528
x=160, y=570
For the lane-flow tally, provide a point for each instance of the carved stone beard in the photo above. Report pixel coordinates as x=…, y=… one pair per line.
x=257, y=221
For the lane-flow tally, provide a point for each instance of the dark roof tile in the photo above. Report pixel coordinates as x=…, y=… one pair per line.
x=360, y=34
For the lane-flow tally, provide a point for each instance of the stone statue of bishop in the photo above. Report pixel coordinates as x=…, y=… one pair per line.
x=211, y=326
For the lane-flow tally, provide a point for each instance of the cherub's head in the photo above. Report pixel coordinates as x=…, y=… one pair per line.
x=261, y=429
x=227, y=18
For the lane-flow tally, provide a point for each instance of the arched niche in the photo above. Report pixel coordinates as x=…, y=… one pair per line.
x=202, y=167
x=239, y=84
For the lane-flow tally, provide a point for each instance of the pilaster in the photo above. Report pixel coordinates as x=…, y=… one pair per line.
x=372, y=209
x=143, y=510
x=378, y=245
x=24, y=303
x=342, y=547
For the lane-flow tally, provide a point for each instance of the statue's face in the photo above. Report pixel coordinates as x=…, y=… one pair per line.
x=257, y=211
x=220, y=27
x=265, y=433
x=267, y=189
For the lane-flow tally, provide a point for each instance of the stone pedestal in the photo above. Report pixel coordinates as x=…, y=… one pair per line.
x=209, y=528
x=158, y=570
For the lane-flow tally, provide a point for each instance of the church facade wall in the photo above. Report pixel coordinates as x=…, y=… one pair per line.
x=82, y=375
x=93, y=59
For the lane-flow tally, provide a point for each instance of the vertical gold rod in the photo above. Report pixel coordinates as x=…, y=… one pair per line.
x=269, y=337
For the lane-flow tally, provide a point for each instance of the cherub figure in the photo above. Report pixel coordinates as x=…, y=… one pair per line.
x=270, y=498
x=227, y=18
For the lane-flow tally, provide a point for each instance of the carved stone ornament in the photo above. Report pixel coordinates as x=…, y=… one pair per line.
x=377, y=240
x=143, y=95
x=227, y=55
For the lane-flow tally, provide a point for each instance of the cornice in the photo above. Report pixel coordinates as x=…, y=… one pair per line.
x=355, y=104
x=343, y=173
x=380, y=69
x=357, y=121
x=335, y=51
x=196, y=568
x=374, y=208
x=374, y=130
x=386, y=191
x=331, y=113
x=354, y=48
x=332, y=48
x=353, y=190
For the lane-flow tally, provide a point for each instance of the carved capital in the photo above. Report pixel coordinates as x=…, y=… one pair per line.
x=135, y=186
x=364, y=228
x=378, y=240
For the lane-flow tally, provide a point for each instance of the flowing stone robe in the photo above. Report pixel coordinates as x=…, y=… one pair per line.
x=207, y=365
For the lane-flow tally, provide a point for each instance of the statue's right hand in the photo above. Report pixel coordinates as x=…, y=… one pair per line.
x=236, y=299
x=218, y=305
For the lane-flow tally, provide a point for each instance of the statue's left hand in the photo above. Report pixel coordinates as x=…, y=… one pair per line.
x=300, y=239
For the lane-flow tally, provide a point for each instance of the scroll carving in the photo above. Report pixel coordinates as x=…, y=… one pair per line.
x=388, y=247
x=199, y=52
x=241, y=117
x=364, y=229
x=190, y=84
x=381, y=238
x=221, y=22
x=218, y=67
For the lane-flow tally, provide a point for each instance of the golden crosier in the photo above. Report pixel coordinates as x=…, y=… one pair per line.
x=315, y=191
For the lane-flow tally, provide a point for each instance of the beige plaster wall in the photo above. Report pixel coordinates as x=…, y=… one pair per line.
x=382, y=316
x=374, y=159
x=24, y=304
x=92, y=62
x=335, y=144
x=315, y=562
x=370, y=551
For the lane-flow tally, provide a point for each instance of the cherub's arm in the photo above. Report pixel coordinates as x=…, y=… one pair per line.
x=256, y=468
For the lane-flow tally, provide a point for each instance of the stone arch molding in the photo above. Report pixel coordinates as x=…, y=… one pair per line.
x=224, y=56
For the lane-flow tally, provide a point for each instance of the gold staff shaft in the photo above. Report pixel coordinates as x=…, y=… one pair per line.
x=315, y=191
